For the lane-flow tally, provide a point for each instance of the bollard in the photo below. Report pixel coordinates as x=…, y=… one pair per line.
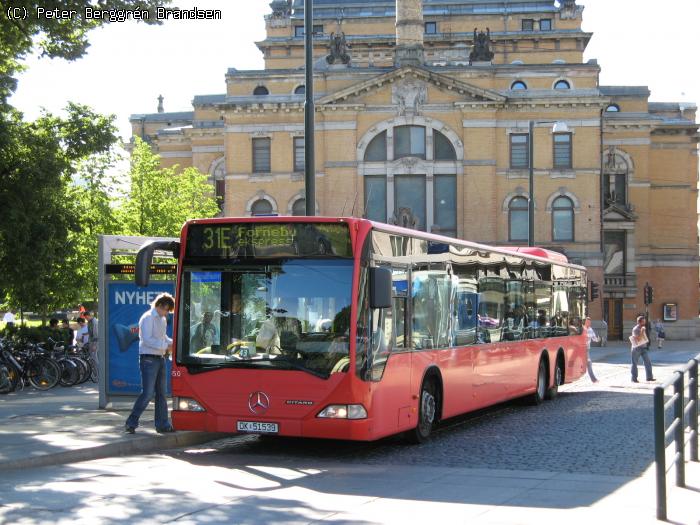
x=660, y=452
x=679, y=433
x=693, y=402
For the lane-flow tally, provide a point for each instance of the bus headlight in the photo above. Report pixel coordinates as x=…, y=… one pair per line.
x=187, y=404
x=343, y=412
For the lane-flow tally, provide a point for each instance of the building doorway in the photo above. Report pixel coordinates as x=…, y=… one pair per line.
x=612, y=313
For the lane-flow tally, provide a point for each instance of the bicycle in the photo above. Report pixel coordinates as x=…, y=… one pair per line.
x=31, y=365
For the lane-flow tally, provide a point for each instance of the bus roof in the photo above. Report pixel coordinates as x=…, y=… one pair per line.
x=537, y=251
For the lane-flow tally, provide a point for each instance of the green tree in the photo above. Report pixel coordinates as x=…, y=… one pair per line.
x=94, y=193
x=23, y=29
x=36, y=213
x=160, y=200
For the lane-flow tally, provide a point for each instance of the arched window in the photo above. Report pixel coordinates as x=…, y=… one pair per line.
x=300, y=90
x=218, y=176
x=442, y=147
x=376, y=149
x=299, y=207
x=427, y=203
x=261, y=207
x=615, y=179
x=612, y=108
x=562, y=84
x=518, y=219
x=261, y=90
x=563, y=219
x=518, y=85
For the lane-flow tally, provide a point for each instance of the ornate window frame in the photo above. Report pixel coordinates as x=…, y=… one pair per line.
x=412, y=165
x=260, y=195
x=301, y=194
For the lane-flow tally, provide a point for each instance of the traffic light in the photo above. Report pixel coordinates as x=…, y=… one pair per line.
x=594, y=291
x=648, y=294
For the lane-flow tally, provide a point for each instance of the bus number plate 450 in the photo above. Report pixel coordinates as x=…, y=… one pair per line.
x=256, y=426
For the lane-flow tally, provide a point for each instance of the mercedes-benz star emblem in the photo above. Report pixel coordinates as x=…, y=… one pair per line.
x=258, y=402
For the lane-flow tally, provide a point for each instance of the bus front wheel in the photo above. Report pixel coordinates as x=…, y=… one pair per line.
x=427, y=410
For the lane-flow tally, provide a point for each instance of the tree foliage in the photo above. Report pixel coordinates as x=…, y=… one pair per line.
x=23, y=30
x=94, y=193
x=36, y=215
x=160, y=200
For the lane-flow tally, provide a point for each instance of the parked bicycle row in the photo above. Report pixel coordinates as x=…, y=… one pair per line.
x=44, y=365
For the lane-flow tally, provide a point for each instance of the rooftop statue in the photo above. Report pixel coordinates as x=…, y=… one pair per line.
x=338, y=49
x=569, y=10
x=281, y=8
x=481, y=52
x=404, y=217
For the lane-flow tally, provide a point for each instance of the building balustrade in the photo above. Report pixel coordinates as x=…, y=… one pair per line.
x=620, y=281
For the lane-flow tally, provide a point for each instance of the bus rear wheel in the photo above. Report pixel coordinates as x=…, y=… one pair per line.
x=541, y=387
x=553, y=392
x=427, y=410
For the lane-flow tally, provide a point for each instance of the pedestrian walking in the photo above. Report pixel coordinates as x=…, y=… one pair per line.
x=604, y=333
x=660, y=333
x=154, y=346
x=590, y=336
x=9, y=319
x=93, y=335
x=639, y=341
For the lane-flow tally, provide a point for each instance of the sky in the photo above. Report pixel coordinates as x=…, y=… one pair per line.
x=636, y=42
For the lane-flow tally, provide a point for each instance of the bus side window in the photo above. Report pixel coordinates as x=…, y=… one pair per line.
x=399, y=293
x=399, y=308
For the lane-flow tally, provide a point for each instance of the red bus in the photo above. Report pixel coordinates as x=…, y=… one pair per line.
x=349, y=329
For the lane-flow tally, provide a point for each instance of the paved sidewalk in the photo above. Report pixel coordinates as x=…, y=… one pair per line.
x=64, y=425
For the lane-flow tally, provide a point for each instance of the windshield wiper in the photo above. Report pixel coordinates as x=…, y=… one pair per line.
x=250, y=363
x=294, y=365
x=198, y=368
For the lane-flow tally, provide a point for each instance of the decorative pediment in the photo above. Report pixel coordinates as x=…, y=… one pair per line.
x=409, y=89
x=617, y=213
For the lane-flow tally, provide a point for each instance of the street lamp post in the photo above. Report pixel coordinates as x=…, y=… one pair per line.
x=531, y=177
x=309, y=168
x=558, y=127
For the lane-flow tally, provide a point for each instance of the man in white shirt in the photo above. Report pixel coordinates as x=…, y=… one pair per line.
x=81, y=334
x=9, y=319
x=154, y=346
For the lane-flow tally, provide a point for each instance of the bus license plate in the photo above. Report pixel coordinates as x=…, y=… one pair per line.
x=256, y=426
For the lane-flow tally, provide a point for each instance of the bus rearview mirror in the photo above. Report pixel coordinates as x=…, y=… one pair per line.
x=144, y=258
x=379, y=288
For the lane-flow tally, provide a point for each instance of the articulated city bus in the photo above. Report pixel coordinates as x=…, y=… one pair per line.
x=350, y=329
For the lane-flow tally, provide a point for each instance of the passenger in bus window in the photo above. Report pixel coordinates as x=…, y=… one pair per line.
x=236, y=316
x=204, y=334
x=575, y=326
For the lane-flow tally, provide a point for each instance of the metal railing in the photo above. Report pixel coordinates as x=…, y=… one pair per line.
x=684, y=416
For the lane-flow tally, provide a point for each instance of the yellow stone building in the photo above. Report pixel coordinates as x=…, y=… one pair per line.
x=430, y=119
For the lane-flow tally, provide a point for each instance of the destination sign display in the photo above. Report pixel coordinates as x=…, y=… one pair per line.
x=227, y=241
x=130, y=269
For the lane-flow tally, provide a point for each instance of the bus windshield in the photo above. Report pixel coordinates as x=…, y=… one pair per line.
x=289, y=314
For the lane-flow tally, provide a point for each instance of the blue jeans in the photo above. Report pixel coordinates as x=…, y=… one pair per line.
x=153, y=381
x=641, y=351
